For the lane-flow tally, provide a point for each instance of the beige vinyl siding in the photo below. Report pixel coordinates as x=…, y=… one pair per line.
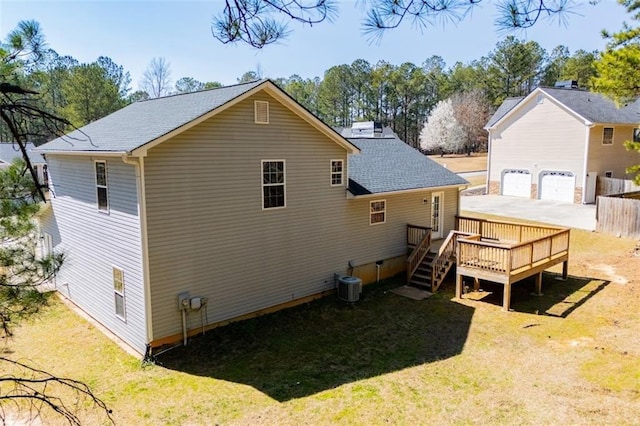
x=611, y=157
x=538, y=137
x=209, y=235
x=94, y=242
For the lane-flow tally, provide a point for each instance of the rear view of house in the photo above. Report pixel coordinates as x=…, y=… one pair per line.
x=555, y=142
x=210, y=207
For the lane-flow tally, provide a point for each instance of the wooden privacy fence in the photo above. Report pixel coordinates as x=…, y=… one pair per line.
x=611, y=186
x=619, y=215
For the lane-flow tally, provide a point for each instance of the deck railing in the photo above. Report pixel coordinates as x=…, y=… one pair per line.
x=445, y=257
x=421, y=247
x=505, y=258
x=415, y=234
x=503, y=231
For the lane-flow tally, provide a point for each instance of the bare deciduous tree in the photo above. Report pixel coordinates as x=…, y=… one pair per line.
x=472, y=110
x=156, y=79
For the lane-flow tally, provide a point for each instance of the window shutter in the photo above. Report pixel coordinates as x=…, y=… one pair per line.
x=261, y=111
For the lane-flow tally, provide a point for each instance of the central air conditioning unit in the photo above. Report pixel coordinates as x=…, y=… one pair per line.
x=349, y=288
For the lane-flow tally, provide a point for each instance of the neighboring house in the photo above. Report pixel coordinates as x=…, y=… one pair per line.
x=553, y=143
x=9, y=152
x=236, y=195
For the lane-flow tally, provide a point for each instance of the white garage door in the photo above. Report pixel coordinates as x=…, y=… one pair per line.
x=516, y=183
x=557, y=186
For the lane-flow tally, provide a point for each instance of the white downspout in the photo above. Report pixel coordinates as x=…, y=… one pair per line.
x=488, y=161
x=585, y=164
x=144, y=242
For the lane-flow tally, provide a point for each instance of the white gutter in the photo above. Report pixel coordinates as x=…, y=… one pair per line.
x=84, y=153
x=144, y=240
x=404, y=191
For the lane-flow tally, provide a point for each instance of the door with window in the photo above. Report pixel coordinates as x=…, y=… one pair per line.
x=436, y=214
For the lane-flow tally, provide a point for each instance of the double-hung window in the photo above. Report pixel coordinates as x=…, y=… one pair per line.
x=118, y=292
x=101, y=186
x=337, y=172
x=273, y=184
x=377, y=212
x=607, y=136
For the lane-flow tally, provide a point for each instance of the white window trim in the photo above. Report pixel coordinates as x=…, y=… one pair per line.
x=384, y=212
x=255, y=111
x=331, y=173
x=262, y=184
x=106, y=187
x=610, y=172
x=613, y=132
x=122, y=294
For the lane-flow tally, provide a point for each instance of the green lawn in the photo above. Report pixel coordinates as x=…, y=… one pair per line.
x=571, y=356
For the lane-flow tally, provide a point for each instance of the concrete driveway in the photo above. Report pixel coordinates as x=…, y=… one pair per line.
x=551, y=212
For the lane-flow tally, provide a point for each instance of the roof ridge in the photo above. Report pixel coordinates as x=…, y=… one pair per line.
x=173, y=95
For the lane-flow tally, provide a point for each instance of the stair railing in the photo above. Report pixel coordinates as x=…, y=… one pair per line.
x=418, y=254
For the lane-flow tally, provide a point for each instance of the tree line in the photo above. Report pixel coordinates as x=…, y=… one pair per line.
x=400, y=96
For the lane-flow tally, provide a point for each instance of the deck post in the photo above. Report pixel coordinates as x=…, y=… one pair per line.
x=565, y=270
x=538, y=291
x=458, y=286
x=476, y=284
x=506, y=297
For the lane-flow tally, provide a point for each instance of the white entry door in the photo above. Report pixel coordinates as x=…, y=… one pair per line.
x=557, y=186
x=516, y=183
x=437, y=204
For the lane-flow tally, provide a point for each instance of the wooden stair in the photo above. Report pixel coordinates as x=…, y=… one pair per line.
x=433, y=267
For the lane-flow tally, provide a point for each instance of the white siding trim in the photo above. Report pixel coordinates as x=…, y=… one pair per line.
x=144, y=240
x=405, y=191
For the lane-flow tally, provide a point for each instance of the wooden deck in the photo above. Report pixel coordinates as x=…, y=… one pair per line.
x=507, y=252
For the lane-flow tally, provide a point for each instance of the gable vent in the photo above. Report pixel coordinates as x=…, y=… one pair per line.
x=261, y=112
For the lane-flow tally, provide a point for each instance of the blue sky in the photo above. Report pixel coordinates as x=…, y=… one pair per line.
x=133, y=32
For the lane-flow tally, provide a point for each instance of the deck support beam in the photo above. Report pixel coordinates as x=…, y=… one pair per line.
x=565, y=269
x=538, y=291
x=506, y=298
x=458, y=286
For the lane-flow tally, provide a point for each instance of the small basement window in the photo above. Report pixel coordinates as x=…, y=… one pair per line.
x=608, y=174
x=636, y=135
x=261, y=112
x=337, y=171
x=102, y=191
x=118, y=292
x=377, y=212
x=607, y=136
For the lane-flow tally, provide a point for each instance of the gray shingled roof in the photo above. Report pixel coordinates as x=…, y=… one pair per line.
x=10, y=151
x=388, y=165
x=142, y=122
x=594, y=107
x=503, y=109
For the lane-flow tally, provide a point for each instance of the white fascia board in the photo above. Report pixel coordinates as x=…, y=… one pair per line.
x=404, y=191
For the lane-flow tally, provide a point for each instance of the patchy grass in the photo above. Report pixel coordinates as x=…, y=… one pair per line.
x=570, y=356
x=460, y=163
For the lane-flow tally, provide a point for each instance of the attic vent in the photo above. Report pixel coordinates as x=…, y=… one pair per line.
x=261, y=112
